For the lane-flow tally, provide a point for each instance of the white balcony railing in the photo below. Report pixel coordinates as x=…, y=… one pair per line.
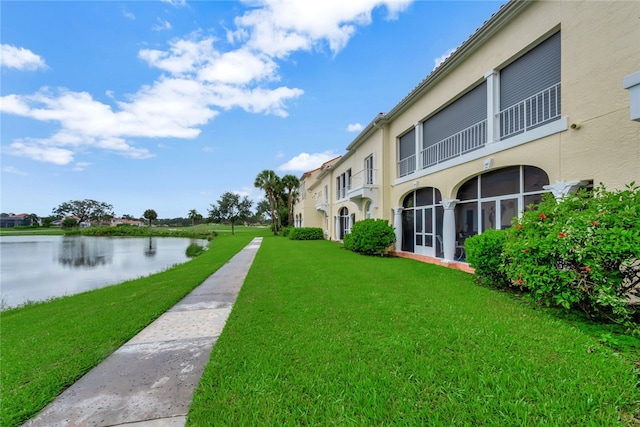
x=534, y=111
x=364, y=178
x=407, y=165
x=466, y=140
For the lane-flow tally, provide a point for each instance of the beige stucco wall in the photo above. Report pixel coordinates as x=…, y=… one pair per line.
x=599, y=47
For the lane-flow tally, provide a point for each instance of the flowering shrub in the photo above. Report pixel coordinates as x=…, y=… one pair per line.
x=370, y=237
x=570, y=254
x=484, y=254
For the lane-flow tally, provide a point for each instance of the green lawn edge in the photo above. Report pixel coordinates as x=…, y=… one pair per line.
x=46, y=347
x=322, y=336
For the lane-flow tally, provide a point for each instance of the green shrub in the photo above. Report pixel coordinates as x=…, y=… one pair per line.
x=285, y=231
x=193, y=250
x=306, y=233
x=484, y=253
x=69, y=223
x=570, y=254
x=370, y=237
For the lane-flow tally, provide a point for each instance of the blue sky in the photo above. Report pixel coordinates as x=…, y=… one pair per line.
x=166, y=105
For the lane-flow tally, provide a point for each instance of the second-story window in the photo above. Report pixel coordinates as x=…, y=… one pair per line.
x=530, y=89
x=407, y=153
x=343, y=184
x=369, y=171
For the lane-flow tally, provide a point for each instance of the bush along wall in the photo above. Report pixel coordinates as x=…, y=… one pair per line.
x=580, y=253
x=370, y=237
x=484, y=254
x=306, y=233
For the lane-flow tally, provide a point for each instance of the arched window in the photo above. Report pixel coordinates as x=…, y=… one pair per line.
x=422, y=218
x=493, y=199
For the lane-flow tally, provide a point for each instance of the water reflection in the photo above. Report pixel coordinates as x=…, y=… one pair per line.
x=151, y=249
x=78, y=251
x=35, y=268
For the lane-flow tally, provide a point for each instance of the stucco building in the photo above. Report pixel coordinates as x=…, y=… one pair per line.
x=539, y=99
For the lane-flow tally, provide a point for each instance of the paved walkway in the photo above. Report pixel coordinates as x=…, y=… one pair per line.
x=149, y=381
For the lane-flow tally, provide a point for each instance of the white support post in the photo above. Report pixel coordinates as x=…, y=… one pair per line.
x=449, y=229
x=493, y=106
x=397, y=225
x=418, y=134
x=338, y=227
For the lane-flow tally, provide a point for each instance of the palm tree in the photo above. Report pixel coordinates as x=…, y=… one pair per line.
x=194, y=216
x=291, y=184
x=268, y=181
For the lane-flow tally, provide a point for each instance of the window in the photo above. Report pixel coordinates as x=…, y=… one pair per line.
x=343, y=184
x=503, y=193
x=407, y=153
x=457, y=129
x=369, y=170
x=530, y=89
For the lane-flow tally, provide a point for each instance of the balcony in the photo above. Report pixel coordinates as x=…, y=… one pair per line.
x=466, y=140
x=322, y=202
x=407, y=166
x=364, y=185
x=537, y=110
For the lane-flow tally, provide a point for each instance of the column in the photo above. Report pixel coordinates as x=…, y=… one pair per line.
x=397, y=225
x=338, y=227
x=449, y=229
x=418, y=134
x=493, y=106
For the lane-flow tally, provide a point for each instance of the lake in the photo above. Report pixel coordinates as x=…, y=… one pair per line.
x=37, y=268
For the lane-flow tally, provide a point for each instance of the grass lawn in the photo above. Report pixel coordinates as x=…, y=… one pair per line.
x=45, y=347
x=322, y=336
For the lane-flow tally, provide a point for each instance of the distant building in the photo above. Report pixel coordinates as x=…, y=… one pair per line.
x=23, y=219
x=123, y=221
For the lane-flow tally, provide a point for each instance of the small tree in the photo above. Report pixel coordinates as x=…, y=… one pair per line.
x=231, y=208
x=268, y=181
x=150, y=215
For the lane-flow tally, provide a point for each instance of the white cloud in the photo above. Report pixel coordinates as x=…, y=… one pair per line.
x=354, y=127
x=197, y=81
x=20, y=58
x=280, y=27
x=176, y=3
x=208, y=149
x=14, y=170
x=440, y=59
x=161, y=25
x=41, y=152
x=81, y=166
x=127, y=14
x=304, y=162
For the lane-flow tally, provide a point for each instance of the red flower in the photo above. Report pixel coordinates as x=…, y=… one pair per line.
x=519, y=227
x=542, y=216
x=526, y=251
x=520, y=282
x=587, y=269
x=595, y=223
x=561, y=234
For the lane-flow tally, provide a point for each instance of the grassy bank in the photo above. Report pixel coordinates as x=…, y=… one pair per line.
x=321, y=336
x=47, y=346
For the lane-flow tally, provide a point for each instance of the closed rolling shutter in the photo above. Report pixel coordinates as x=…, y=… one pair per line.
x=536, y=70
x=468, y=110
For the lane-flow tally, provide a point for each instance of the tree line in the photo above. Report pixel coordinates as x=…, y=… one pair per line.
x=281, y=194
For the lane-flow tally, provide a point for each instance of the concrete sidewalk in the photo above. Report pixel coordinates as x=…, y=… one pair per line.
x=149, y=381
